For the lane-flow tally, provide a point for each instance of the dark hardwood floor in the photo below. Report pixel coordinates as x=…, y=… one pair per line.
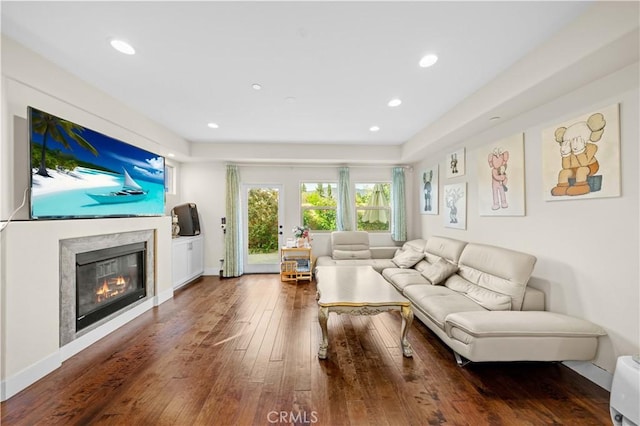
x=243, y=352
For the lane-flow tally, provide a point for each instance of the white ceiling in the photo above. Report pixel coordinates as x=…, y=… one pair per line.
x=327, y=69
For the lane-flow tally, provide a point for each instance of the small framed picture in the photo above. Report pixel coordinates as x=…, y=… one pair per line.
x=429, y=191
x=455, y=164
x=455, y=205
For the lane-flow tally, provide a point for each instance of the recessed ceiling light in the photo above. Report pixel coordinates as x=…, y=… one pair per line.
x=213, y=125
x=428, y=60
x=394, y=102
x=170, y=154
x=374, y=128
x=496, y=118
x=256, y=86
x=123, y=47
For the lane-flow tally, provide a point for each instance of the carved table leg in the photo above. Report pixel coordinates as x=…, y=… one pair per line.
x=323, y=316
x=407, y=319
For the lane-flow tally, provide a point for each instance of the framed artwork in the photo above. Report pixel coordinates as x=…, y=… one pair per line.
x=455, y=204
x=581, y=156
x=429, y=191
x=501, y=178
x=455, y=164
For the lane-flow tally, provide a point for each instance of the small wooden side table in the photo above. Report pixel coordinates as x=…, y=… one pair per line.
x=296, y=263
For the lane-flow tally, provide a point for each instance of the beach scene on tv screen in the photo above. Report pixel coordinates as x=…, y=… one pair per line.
x=78, y=172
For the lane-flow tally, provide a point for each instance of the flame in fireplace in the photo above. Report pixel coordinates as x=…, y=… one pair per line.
x=111, y=287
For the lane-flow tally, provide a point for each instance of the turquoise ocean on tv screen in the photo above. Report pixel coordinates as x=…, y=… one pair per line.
x=76, y=202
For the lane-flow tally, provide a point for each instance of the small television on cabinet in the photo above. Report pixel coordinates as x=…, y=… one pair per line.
x=77, y=172
x=188, y=220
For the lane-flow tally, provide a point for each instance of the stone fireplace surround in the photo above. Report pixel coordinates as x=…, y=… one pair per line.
x=30, y=294
x=69, y=248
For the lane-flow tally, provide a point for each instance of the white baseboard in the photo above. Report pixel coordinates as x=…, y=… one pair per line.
x=592, y=372
x=211, y=271
x=29, y=375
x=163, y=297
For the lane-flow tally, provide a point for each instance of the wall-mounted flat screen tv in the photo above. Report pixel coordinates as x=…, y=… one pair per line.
x=79, y=173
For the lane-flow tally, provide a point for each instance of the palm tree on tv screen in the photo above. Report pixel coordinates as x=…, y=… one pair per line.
x=60, y=131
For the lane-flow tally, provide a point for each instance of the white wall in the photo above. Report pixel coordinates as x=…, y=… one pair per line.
x=587, y=250
x=29, y=270
x=204, y=184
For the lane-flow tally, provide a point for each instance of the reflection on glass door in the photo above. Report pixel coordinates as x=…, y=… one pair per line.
x=263, y=229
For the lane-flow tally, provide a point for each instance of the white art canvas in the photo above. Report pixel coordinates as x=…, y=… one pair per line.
x=581, y=156
x=455, y=164
x=455, y=204
x=429, y=191
x=501, y=178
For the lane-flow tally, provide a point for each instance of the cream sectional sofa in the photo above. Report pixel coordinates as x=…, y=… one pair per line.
x=480, y=304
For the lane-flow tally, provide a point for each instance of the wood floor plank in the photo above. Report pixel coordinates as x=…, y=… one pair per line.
x=244, y=351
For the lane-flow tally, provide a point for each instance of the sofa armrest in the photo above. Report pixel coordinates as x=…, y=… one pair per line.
x=383, y=252
x=520, y=323
x=533, y=299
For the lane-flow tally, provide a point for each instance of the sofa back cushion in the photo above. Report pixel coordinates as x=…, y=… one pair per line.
x=350, y=245
x=442, y=247
x=497, y=269
x=484, y=297
x=351, y=254
x=415, y=245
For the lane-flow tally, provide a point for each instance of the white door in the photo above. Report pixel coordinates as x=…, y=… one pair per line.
x=263, y=228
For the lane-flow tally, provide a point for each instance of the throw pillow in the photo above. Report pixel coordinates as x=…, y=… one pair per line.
x=407, y=258
x=439, y=271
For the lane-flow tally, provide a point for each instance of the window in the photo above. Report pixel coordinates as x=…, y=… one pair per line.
x=318, y=201
x=372, y=206
x=169, y=179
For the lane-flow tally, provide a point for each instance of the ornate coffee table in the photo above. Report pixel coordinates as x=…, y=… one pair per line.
x=358, y=290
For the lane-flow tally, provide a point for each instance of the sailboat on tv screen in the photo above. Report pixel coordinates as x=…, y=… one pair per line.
x=131, y=191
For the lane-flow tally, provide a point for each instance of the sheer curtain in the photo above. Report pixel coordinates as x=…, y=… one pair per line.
x=233, y=237
x=344, y=217
x=399, y=206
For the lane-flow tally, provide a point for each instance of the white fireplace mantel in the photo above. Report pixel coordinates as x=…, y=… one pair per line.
x=30, y=271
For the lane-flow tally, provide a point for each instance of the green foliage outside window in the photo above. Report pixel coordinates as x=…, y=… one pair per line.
x=318, y=205
x=263, y=220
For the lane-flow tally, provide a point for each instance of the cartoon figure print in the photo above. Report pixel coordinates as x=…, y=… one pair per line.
x=453, y=196
x=454, y=164
x=426, y=179
x=578, y=150
x=498, y=164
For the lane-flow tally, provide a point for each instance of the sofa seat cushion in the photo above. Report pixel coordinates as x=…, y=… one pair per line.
x=402, y=277
x=325, y=261
x=488, y=299
x=437, y=302
x=378, y=264
x=381, y=264
x=521, y=323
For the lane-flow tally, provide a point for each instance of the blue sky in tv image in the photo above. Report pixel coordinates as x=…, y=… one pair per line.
x=119, y=180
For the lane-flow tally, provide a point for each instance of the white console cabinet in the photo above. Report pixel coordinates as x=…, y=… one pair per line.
x=188, y=259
